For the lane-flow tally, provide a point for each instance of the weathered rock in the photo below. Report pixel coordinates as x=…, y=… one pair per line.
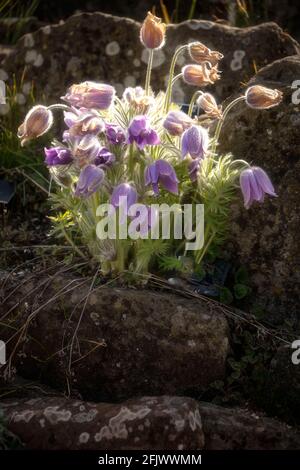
x=282, y=386
x=236, y=428
x=107, y=48
x=132, y=342
x=266, y=238
x=148, y=423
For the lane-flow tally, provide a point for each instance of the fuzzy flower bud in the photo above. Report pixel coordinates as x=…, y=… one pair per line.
x=90, y=95
x=200, y=53
x=177, y=122
x=152, y=32
x=37, y=122
x=207, y=102
x=200, y=74
x=260, y=97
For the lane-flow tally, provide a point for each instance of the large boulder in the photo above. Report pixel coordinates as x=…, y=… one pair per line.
x=128, y=342
x=266, y=238
x=96, y=46
x=148, y=423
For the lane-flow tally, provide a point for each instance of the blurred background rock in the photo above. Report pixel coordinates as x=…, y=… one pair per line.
x=20, y=17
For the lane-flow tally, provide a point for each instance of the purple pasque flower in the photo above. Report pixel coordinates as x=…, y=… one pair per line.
x=194, y=141
x=255, y=183
x=104, y=158
x=143, y=217
x=58, y=156
x=176, y=122
x=83, y=121
x=140, y=132
x=161, y=172
x=123, y=197
x=114, y=134
x=126, y=191
x=90, y=179
x=90, y=95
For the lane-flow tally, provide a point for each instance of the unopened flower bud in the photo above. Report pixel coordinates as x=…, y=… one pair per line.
x=152, y=32
x=260, y=97
x=200, y=74
x=207, y=102
x=37, y=122
x=200, y=53
x=90, y=95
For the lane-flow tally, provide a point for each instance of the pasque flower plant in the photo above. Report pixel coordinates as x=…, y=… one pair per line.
x=141, y=148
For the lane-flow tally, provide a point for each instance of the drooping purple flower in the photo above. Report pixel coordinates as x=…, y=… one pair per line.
x=105, y=158
x=114, y=134
x=194, y=141
x=140, y=132
x=123, y=197
x=147, y=217
x=57, y=156
x=90, y=179
x=255, y=183
x=90, y=95
x=161, y=172
x=125, y=191
x=83, y=121
x=177, y=122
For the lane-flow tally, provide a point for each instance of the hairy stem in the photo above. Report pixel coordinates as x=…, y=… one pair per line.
x=171, y=75
x=221, y=122
x=148, y=74
x=59, y=106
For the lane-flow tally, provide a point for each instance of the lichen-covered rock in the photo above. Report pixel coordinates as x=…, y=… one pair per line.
x=266, y=238
x=237, y=428
x=129, y=342
x=148, y=423
x=106, y=48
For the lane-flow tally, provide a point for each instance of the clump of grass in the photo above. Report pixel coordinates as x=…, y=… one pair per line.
x=20, y=11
